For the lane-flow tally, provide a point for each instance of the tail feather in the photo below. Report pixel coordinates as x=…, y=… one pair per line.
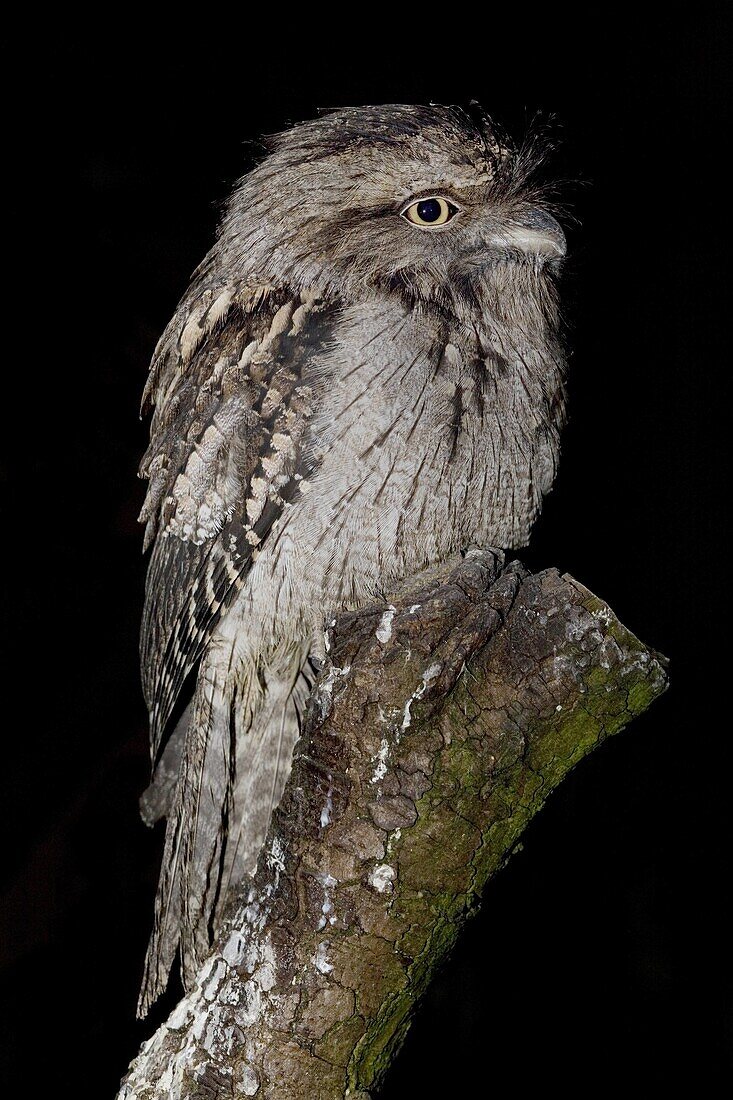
x=195, y=833
x=208, y=778
x=237, y=742
x=166, y=921
x=264, y=758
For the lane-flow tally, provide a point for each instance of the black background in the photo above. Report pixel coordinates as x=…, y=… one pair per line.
x=600, y=958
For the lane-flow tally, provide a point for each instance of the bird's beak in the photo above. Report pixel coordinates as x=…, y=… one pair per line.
x=534, y=232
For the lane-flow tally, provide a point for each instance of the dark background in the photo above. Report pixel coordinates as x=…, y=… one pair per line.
x=600, y=958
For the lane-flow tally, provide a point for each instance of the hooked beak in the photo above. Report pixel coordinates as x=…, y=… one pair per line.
x=534, y=232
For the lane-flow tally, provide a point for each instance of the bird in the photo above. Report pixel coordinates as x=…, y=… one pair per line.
x=365, y=376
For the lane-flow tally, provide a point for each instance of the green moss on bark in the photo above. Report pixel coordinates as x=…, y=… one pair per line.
x=612, y=692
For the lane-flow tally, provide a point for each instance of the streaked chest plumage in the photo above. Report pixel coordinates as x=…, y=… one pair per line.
x=429, y=436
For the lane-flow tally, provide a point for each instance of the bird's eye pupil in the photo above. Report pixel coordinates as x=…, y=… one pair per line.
x=429, y=210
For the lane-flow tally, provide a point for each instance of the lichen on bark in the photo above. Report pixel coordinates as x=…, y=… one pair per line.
x=439, y=726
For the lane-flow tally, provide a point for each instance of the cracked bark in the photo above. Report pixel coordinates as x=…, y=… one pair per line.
x=436, y=731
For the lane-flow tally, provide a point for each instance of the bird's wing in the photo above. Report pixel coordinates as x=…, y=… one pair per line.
x=226, y=455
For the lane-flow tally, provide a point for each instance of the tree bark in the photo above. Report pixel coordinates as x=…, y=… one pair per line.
x=437, y=729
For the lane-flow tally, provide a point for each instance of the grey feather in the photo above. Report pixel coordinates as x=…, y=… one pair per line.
x=341, y=399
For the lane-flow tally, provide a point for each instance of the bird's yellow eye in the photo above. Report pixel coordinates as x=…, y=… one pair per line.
x=430, y=212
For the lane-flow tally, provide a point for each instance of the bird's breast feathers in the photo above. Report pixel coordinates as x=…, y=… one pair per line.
x=424, y=439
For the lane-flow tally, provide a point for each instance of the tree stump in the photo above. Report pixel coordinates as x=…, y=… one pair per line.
x=438, y=727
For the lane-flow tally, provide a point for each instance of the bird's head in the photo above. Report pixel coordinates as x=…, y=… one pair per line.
x=433, y=204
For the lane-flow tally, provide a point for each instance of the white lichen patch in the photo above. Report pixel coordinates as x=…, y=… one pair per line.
x=180, y=1015
x=276, y=862
x=382, y=877
x=249, y=1082
x=251, y=1007
x=564, y=668
x=276, y=855
x=254, y=999
x=393, y=839
x=218, y=1037
x=609, y=653
x=637, y=661
x=320, y=959
x=380, y=769
x=210, y=987
x=211, y=1033
x=266, y=975
x=389, y=717
x=332, y=677
x=255, y=915
x=327, y=909
x=384, y=630
x=327, y=808
x=326, y=640
x=323, y=695
x=431, y=673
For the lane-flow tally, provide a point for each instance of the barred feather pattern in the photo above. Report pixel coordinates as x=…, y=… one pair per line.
x=221, y=476
x=339, y=400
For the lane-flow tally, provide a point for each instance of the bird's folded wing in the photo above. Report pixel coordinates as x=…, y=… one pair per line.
x=228, y=451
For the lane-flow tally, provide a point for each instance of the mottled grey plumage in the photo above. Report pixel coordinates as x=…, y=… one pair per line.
x=341, y=398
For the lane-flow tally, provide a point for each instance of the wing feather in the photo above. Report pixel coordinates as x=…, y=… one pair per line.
x=232, y=401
